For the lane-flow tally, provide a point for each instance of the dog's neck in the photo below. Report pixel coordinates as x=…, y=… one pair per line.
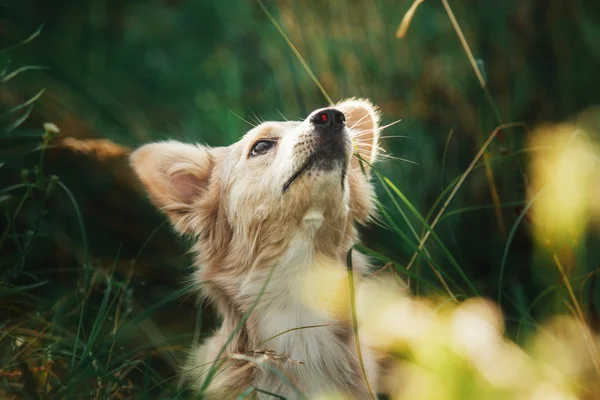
x=307, y=290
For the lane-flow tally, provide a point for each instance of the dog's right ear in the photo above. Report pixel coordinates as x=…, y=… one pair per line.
x=362, y=119
x=175, y=175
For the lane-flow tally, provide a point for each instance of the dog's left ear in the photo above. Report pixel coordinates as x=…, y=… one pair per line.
x=176, y=176
x=362, y=118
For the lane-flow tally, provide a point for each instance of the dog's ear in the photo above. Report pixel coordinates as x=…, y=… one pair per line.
x=175, y=175
x=362, y=118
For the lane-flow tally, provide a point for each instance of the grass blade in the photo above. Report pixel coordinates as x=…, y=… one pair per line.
x=430, y=230
x=23, y=105
x=18, y=71
x=509, y=240
x=355, y=322
x=85, y=264
x=296, y=52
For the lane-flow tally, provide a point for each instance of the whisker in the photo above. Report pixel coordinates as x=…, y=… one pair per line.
x=373, y=146
x=388, y=125
x=282, y=116
x=360, y=133
x=381, y=129
x=256, y=117
x=366, y=143
x=252, y=125
x=357, y=122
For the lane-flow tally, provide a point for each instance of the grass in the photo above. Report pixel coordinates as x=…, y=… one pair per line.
x=92, y=295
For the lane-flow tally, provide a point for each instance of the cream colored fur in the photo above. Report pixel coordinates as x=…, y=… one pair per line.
x=247, y=227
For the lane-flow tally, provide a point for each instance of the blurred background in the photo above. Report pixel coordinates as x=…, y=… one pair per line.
x=93, y=298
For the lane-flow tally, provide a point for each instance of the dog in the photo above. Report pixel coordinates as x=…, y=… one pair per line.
x=273, y=218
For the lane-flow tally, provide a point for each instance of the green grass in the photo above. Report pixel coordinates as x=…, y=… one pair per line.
x=93, y=299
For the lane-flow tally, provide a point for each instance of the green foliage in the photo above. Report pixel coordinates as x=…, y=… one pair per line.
x=91, y=278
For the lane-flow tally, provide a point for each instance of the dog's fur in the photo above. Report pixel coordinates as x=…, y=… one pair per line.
x=248, y=226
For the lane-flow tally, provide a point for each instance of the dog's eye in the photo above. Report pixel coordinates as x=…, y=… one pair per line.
x=262, y=147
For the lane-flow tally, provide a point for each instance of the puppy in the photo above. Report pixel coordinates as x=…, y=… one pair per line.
x=273, y=220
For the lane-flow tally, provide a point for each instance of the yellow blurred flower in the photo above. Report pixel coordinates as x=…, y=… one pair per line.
x=461, y=352
x=326, y=288
x=390, y=320
x=564, y=170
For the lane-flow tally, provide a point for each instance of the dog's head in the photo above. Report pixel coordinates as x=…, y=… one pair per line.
x=247, y=202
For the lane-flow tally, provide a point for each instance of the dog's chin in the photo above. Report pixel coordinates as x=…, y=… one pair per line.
x=325, y=163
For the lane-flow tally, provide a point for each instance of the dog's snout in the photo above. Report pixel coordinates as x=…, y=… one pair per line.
x=328, y=119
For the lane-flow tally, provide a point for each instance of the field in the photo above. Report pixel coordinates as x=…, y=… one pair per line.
x=488, y=186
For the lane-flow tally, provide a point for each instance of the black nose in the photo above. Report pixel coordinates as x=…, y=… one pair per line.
x=329, y=118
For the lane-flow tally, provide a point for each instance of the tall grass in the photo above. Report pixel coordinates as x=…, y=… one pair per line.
x=92, y=299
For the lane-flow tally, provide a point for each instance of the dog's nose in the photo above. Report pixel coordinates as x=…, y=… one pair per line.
x=328, y=119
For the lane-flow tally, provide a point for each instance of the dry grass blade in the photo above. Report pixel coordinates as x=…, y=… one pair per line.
x=488, y=96
x=295, y=329
x=355, y=323
x=494, y=193
x=296, y=52
x=469, y=53
x=101, y=149
x=407, y=19
x=464, y=43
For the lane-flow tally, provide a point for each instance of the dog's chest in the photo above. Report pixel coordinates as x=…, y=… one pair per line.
x=307, y=345
x=310, y=343
x=291, y=328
